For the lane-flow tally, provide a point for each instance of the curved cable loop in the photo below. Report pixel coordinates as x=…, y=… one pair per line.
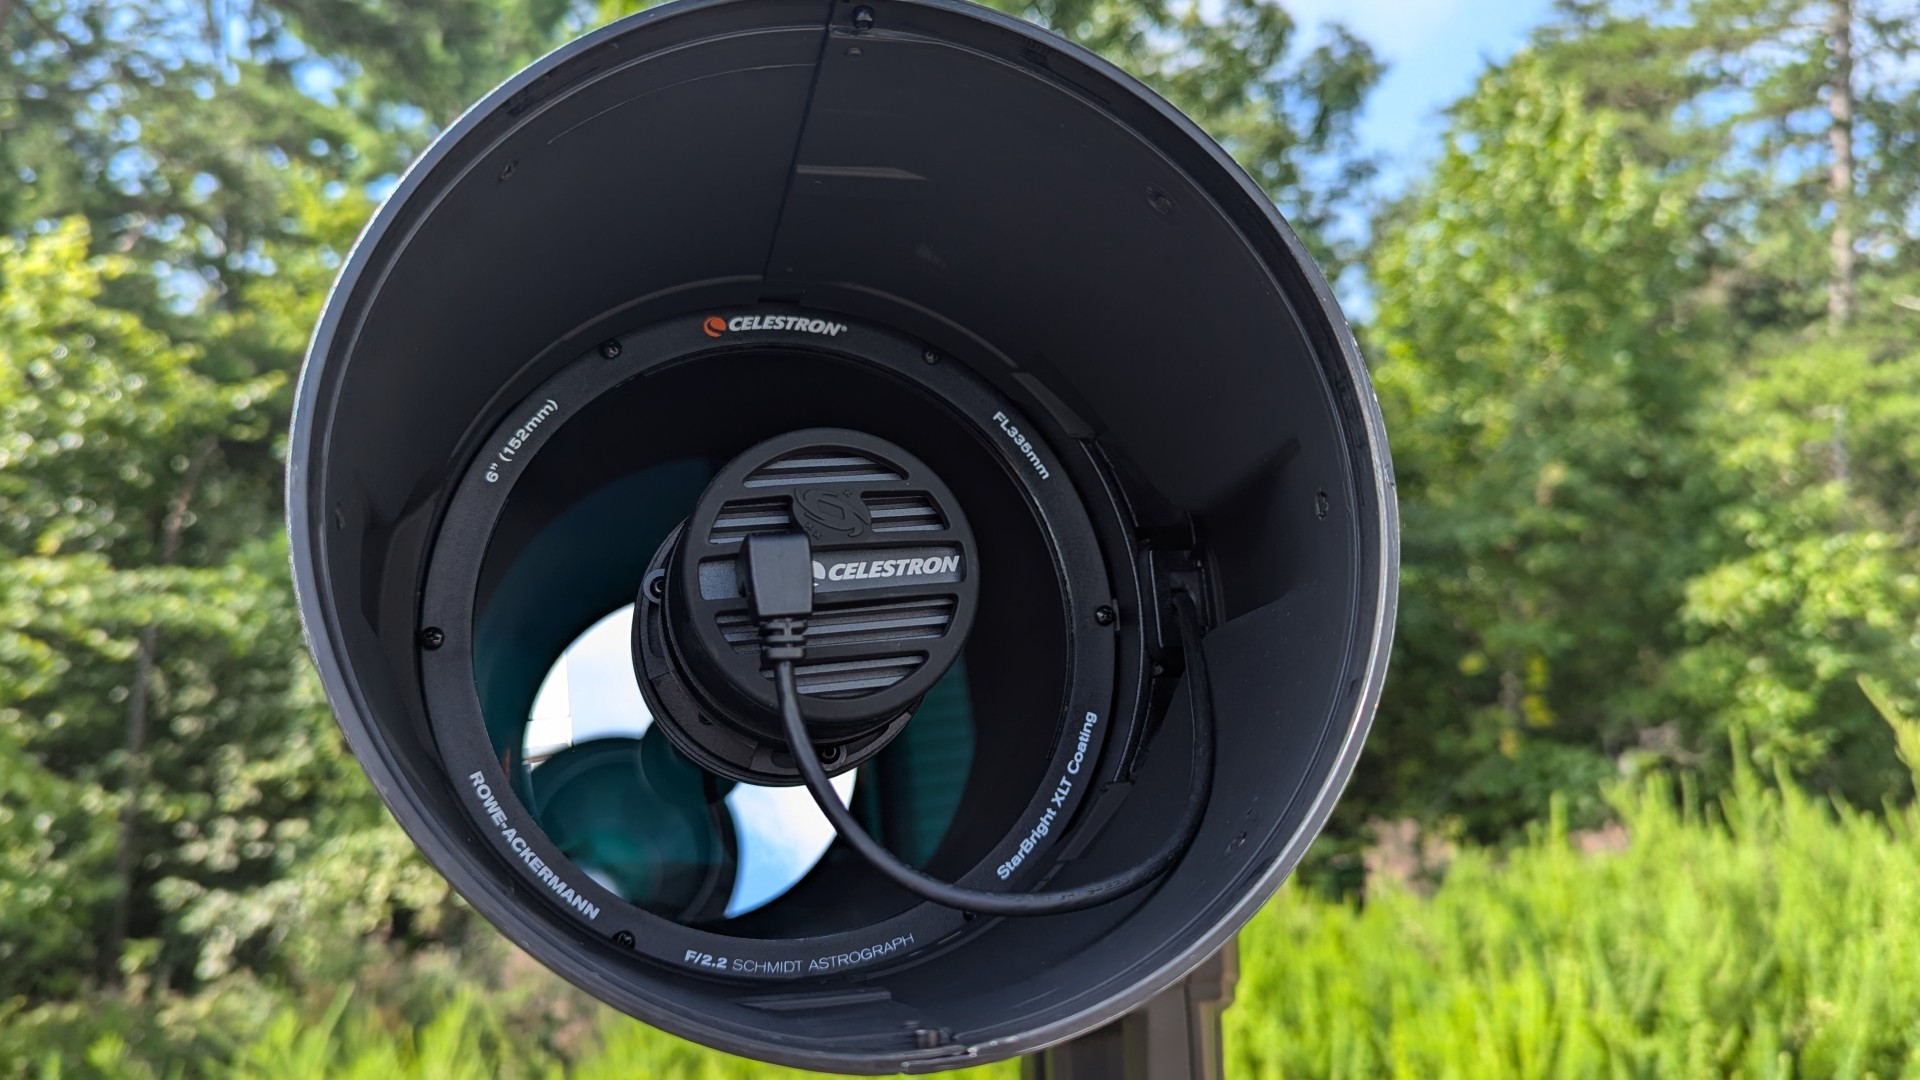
x=984, y=902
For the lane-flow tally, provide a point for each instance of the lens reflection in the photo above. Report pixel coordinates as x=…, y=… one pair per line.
x=589, y=703
x=643, y=821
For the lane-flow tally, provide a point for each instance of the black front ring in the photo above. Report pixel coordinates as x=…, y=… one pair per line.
x=454, y=711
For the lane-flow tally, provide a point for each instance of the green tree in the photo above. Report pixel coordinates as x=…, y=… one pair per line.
x=109, y=430
x=1801, y=121
x=1542, y=372
x=1822, y=584
x=1804, y=119
x=182, y=182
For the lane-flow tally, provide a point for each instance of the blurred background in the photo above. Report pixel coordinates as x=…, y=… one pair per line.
x=1639, y=285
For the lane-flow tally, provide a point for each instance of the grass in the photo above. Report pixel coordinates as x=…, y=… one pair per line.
x=1772, y=934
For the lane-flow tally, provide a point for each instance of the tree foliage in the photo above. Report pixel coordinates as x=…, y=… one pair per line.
x=106, y=421
x=182, y=183
x=1649, y=495
x=1738, y=93
x=1821, y=583
x=1543, y=384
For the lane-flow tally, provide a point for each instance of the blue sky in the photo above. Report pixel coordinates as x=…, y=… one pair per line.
x=1434, y=50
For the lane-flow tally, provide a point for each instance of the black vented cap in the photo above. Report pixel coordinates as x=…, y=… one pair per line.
x=895, y=582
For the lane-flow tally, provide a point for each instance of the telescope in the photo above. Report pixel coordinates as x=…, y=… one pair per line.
x=851, y=531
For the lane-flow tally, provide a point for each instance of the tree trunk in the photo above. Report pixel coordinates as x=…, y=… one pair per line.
x=126, y=854
x=1840, y=184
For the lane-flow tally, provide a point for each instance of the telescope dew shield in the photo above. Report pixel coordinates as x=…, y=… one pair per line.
x=1023, y=354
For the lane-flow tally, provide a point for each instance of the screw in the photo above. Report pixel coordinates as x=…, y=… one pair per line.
x=433, y=637
x=1104, y=615
x=829, y=754
x=930, y=356
x=657, y=586
x=863, y=18
x=609, y=349
x=623, y=938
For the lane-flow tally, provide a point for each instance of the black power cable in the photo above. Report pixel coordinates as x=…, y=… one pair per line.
x=780, y=586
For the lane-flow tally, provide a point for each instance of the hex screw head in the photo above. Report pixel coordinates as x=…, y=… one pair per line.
x=623, y=938
x=1104, y=615
x=863, y=18
x=432, y=637
x=609, y=349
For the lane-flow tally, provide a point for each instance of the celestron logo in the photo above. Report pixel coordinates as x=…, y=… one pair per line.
x=715, y=325
x=886, y=568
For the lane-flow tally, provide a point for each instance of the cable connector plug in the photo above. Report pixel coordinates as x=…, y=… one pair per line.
x=779, y=579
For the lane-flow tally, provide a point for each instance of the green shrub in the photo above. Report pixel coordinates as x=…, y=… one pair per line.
x=1770, y=934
